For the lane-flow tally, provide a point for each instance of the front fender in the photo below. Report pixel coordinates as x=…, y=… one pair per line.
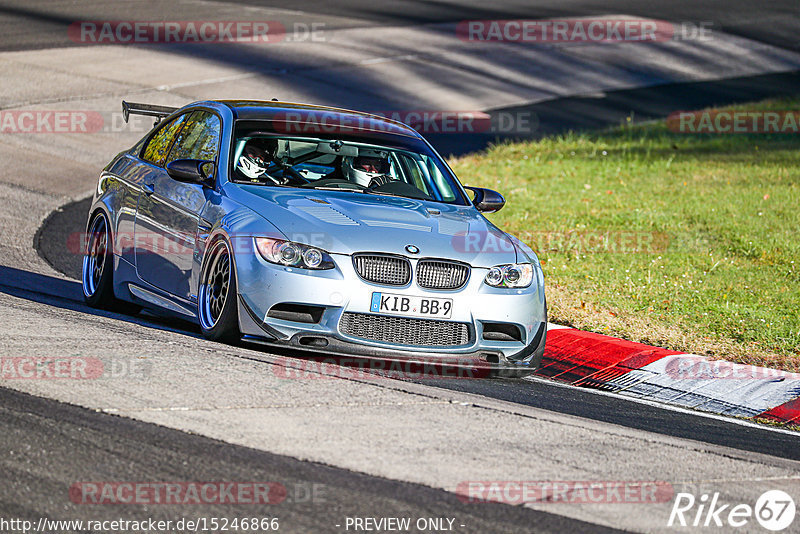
x=234, y=223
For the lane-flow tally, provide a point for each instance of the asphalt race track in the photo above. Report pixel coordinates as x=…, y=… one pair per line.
x=125, y=449
x=202, y=411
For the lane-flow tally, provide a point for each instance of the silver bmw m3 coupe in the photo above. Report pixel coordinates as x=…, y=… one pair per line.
x=317, y=228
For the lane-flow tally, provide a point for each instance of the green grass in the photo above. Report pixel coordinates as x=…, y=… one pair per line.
x=720, y=273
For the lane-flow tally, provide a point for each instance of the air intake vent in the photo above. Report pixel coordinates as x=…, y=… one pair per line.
x=438, y=274
x=404, y=330
x=501, y=332
x=386, y=270
x=298, y=313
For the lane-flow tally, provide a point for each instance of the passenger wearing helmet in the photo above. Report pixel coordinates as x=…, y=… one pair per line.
x=368, y=170
x=256, y=158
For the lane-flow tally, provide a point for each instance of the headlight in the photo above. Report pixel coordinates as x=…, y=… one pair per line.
x=292, y=254
x=513, y=275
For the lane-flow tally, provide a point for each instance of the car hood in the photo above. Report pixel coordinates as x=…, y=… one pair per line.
x=347, y=222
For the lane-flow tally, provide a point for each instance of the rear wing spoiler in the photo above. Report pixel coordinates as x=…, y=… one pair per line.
x=150, y=110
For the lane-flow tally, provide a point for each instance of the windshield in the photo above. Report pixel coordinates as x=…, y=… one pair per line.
x=342, y=165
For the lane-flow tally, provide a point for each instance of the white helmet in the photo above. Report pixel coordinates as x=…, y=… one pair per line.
x=366, y=167
x=256, y=157
x=250, y=168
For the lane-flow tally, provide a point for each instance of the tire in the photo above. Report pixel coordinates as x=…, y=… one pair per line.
x=97, y=274
x=216, y=296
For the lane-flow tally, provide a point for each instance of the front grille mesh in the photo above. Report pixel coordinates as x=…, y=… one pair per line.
x=404, y=330
x=434, y=274
x=388, y=270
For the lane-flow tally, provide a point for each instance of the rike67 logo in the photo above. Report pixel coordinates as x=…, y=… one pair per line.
x=774, y=510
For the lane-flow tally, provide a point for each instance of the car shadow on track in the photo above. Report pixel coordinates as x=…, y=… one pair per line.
x=67, y=294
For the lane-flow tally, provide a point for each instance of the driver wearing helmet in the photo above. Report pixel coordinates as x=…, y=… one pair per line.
x=256, y=158
x=368, y=170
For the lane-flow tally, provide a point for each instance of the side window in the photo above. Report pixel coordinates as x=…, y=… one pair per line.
x=199, y=138
x=156, y=149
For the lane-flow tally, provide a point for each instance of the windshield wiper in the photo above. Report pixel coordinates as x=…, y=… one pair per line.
x=353, y=190
x=375, y=190
x=383, y=193
x=333, y=188
x=260, y=184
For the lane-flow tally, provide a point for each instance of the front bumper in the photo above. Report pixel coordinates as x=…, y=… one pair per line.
x=262, y=285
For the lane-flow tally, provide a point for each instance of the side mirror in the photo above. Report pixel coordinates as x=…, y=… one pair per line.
x=192, y=171
x=487, y=200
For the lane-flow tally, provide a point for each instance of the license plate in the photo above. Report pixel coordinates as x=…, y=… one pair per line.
x=411, y=306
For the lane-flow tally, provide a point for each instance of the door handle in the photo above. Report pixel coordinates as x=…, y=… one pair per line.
x=148, y=189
